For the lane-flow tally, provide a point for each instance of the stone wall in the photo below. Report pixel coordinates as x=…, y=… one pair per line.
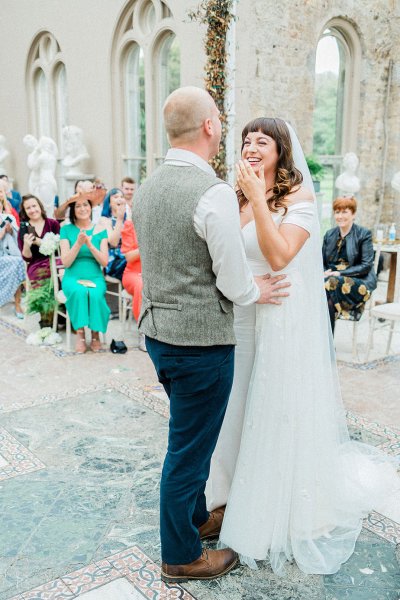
x=275, y=58
x=275, y=76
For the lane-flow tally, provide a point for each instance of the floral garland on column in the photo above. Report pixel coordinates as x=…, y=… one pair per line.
x=217, y=15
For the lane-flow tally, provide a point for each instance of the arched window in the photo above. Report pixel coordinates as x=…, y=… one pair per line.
x=46, y=83
x=146, y=67
x=169, y=80
x=336, y=106
x=61, y=97
x=47, y=87
x=42, y=104
x=135, y=116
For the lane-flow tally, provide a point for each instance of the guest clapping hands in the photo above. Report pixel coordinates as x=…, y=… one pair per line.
x=112, y=219
x=84, y=251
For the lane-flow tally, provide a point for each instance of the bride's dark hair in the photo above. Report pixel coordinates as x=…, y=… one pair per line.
x=287, y=176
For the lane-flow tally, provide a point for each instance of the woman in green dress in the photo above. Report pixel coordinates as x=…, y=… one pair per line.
x=84, y=251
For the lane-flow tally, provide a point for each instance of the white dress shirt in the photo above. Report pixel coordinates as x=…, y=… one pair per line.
x=217, y=222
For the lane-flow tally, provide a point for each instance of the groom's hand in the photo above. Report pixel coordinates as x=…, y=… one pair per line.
x=271, y=288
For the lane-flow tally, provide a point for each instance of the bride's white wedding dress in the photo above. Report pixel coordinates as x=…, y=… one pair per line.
x=294, y=483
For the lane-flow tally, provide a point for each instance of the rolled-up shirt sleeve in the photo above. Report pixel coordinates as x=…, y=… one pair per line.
x=217, y=222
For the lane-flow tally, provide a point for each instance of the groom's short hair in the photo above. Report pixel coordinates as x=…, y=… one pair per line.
x=185, y=110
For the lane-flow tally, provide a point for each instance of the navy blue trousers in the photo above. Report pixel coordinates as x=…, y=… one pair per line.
x=198, y=381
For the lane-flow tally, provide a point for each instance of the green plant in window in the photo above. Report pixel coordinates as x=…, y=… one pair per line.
x=316, y=168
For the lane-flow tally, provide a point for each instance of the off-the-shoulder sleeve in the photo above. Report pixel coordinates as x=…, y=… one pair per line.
x=103, y=234
x=301, y=215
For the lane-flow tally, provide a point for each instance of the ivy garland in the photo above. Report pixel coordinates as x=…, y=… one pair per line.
x=217, y=15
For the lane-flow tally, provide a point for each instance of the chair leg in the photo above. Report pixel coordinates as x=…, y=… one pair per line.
x=68, y=328
x=390, y=337
x=124, y=309
x=120, y=301
x=55, y=318
x=355, y=332
x=370, y=336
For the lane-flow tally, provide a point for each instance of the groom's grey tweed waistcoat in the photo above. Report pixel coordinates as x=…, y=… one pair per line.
x=181, y=303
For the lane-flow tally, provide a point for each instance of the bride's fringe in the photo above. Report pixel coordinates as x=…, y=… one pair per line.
x=288, y=179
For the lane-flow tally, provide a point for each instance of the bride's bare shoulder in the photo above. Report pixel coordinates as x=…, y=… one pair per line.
x=301, y=194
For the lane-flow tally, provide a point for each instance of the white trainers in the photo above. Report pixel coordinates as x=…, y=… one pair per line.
x=142, y=342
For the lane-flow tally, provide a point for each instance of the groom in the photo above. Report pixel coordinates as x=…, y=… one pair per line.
x=194, y=268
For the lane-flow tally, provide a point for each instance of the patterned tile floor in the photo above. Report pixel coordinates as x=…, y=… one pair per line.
x=79, y=476
x=14, y=458
x=127, y=574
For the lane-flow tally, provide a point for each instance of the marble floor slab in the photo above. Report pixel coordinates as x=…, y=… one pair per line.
x=84, y=521
x=121, y=589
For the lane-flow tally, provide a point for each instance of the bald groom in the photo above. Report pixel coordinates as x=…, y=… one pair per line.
x=194, y=268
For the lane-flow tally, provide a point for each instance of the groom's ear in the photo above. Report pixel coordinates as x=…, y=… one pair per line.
x=208, y=126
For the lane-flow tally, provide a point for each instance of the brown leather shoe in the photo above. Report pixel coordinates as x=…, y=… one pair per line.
x=211, y=528
x=210, y=565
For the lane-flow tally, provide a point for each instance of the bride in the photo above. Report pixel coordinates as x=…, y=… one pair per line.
x=294, y=484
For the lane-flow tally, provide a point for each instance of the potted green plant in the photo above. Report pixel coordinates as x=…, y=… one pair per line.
x=40, y=299
x=316, y=170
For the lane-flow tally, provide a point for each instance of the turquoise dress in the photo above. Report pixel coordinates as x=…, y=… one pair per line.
x=87, y=306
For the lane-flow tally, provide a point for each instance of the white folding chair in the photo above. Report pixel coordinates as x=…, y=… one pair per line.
x=115, y=281
x=390, y=312
x=60, y=299
x=27, y=285
x=127, y=302
x=369, y=306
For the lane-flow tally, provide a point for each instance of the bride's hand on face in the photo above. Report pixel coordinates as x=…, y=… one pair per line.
x=252, y=184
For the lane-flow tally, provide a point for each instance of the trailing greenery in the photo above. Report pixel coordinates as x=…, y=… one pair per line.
x=217, y=15
x=40, y=298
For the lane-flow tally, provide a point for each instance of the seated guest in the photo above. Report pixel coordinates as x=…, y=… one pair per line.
x=61, y=212
x=13, y=196
x=112, y=218
x=13, y=211
x=84, y=252
x=348, y=256
x=132, y=278
x=128, y=186
x=99, y=184
x=34, y=226
x=12, y=271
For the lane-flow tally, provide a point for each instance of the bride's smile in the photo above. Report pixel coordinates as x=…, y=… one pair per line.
x=260, y=149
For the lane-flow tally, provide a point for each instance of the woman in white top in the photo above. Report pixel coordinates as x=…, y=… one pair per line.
x=294, y=483
x=12, y=270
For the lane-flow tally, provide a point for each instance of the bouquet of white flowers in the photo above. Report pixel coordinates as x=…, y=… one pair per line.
x=44, y=337
x=50, y=243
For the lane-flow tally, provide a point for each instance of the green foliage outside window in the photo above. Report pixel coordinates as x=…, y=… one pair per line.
x=326, y=89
